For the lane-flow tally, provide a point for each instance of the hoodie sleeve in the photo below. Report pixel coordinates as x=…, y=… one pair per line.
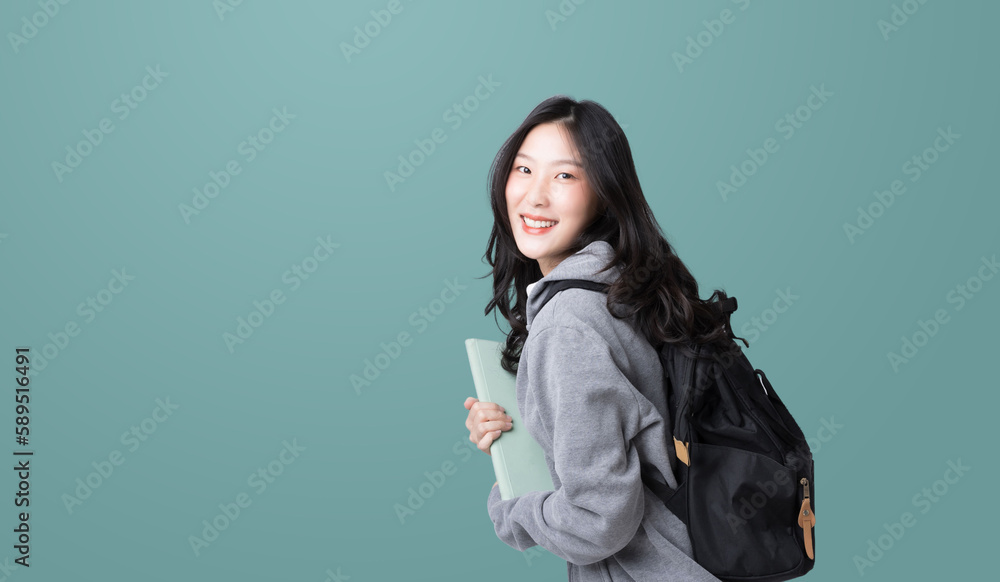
x=589, y=409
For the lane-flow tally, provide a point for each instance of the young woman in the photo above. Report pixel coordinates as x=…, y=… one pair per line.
x=567, y=204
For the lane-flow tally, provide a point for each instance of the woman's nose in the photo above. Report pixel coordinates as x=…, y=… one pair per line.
x=537, y=193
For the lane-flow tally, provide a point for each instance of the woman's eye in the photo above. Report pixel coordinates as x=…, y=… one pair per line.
x=527, y=171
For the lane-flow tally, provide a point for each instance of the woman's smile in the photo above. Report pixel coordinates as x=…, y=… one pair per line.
x=532, y=226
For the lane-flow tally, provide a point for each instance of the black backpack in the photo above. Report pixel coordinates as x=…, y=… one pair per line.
x=745, y=476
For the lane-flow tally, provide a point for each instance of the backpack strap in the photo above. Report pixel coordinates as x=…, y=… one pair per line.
x=560, y=284
x=662, y=490
x=681, y=370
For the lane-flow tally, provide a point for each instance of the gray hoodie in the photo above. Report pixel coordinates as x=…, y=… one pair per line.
x=590, y=390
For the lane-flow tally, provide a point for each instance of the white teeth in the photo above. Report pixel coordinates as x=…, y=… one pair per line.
x=537, y=224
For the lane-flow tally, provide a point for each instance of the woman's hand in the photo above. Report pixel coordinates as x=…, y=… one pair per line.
x=485, y=422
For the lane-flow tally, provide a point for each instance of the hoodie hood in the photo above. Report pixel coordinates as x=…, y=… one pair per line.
x=584, y=264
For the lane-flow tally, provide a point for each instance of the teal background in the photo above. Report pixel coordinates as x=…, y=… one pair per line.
x=333, y=508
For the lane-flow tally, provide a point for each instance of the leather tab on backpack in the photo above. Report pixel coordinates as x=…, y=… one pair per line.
x=682, y=452
x=807, y=517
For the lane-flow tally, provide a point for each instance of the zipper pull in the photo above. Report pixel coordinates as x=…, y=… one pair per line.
x=806, y=516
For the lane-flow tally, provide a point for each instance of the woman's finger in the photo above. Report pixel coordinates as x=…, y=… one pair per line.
x=477, y=417
x=494, y=425
x=487, y=441
x=485, y=415
x=491, y=406
x=478, y=429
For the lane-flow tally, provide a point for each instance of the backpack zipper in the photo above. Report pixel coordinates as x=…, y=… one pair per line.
x=806, y=516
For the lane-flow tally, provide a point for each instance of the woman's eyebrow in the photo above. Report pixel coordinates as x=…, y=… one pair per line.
x=570, y=162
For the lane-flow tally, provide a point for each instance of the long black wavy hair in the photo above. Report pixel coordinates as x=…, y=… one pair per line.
x=655, y=286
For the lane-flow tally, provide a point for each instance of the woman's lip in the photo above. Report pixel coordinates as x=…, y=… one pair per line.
x=539, y=218
x=535, y=230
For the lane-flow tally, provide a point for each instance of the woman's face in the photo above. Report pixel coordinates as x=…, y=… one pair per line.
x=547, y=184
